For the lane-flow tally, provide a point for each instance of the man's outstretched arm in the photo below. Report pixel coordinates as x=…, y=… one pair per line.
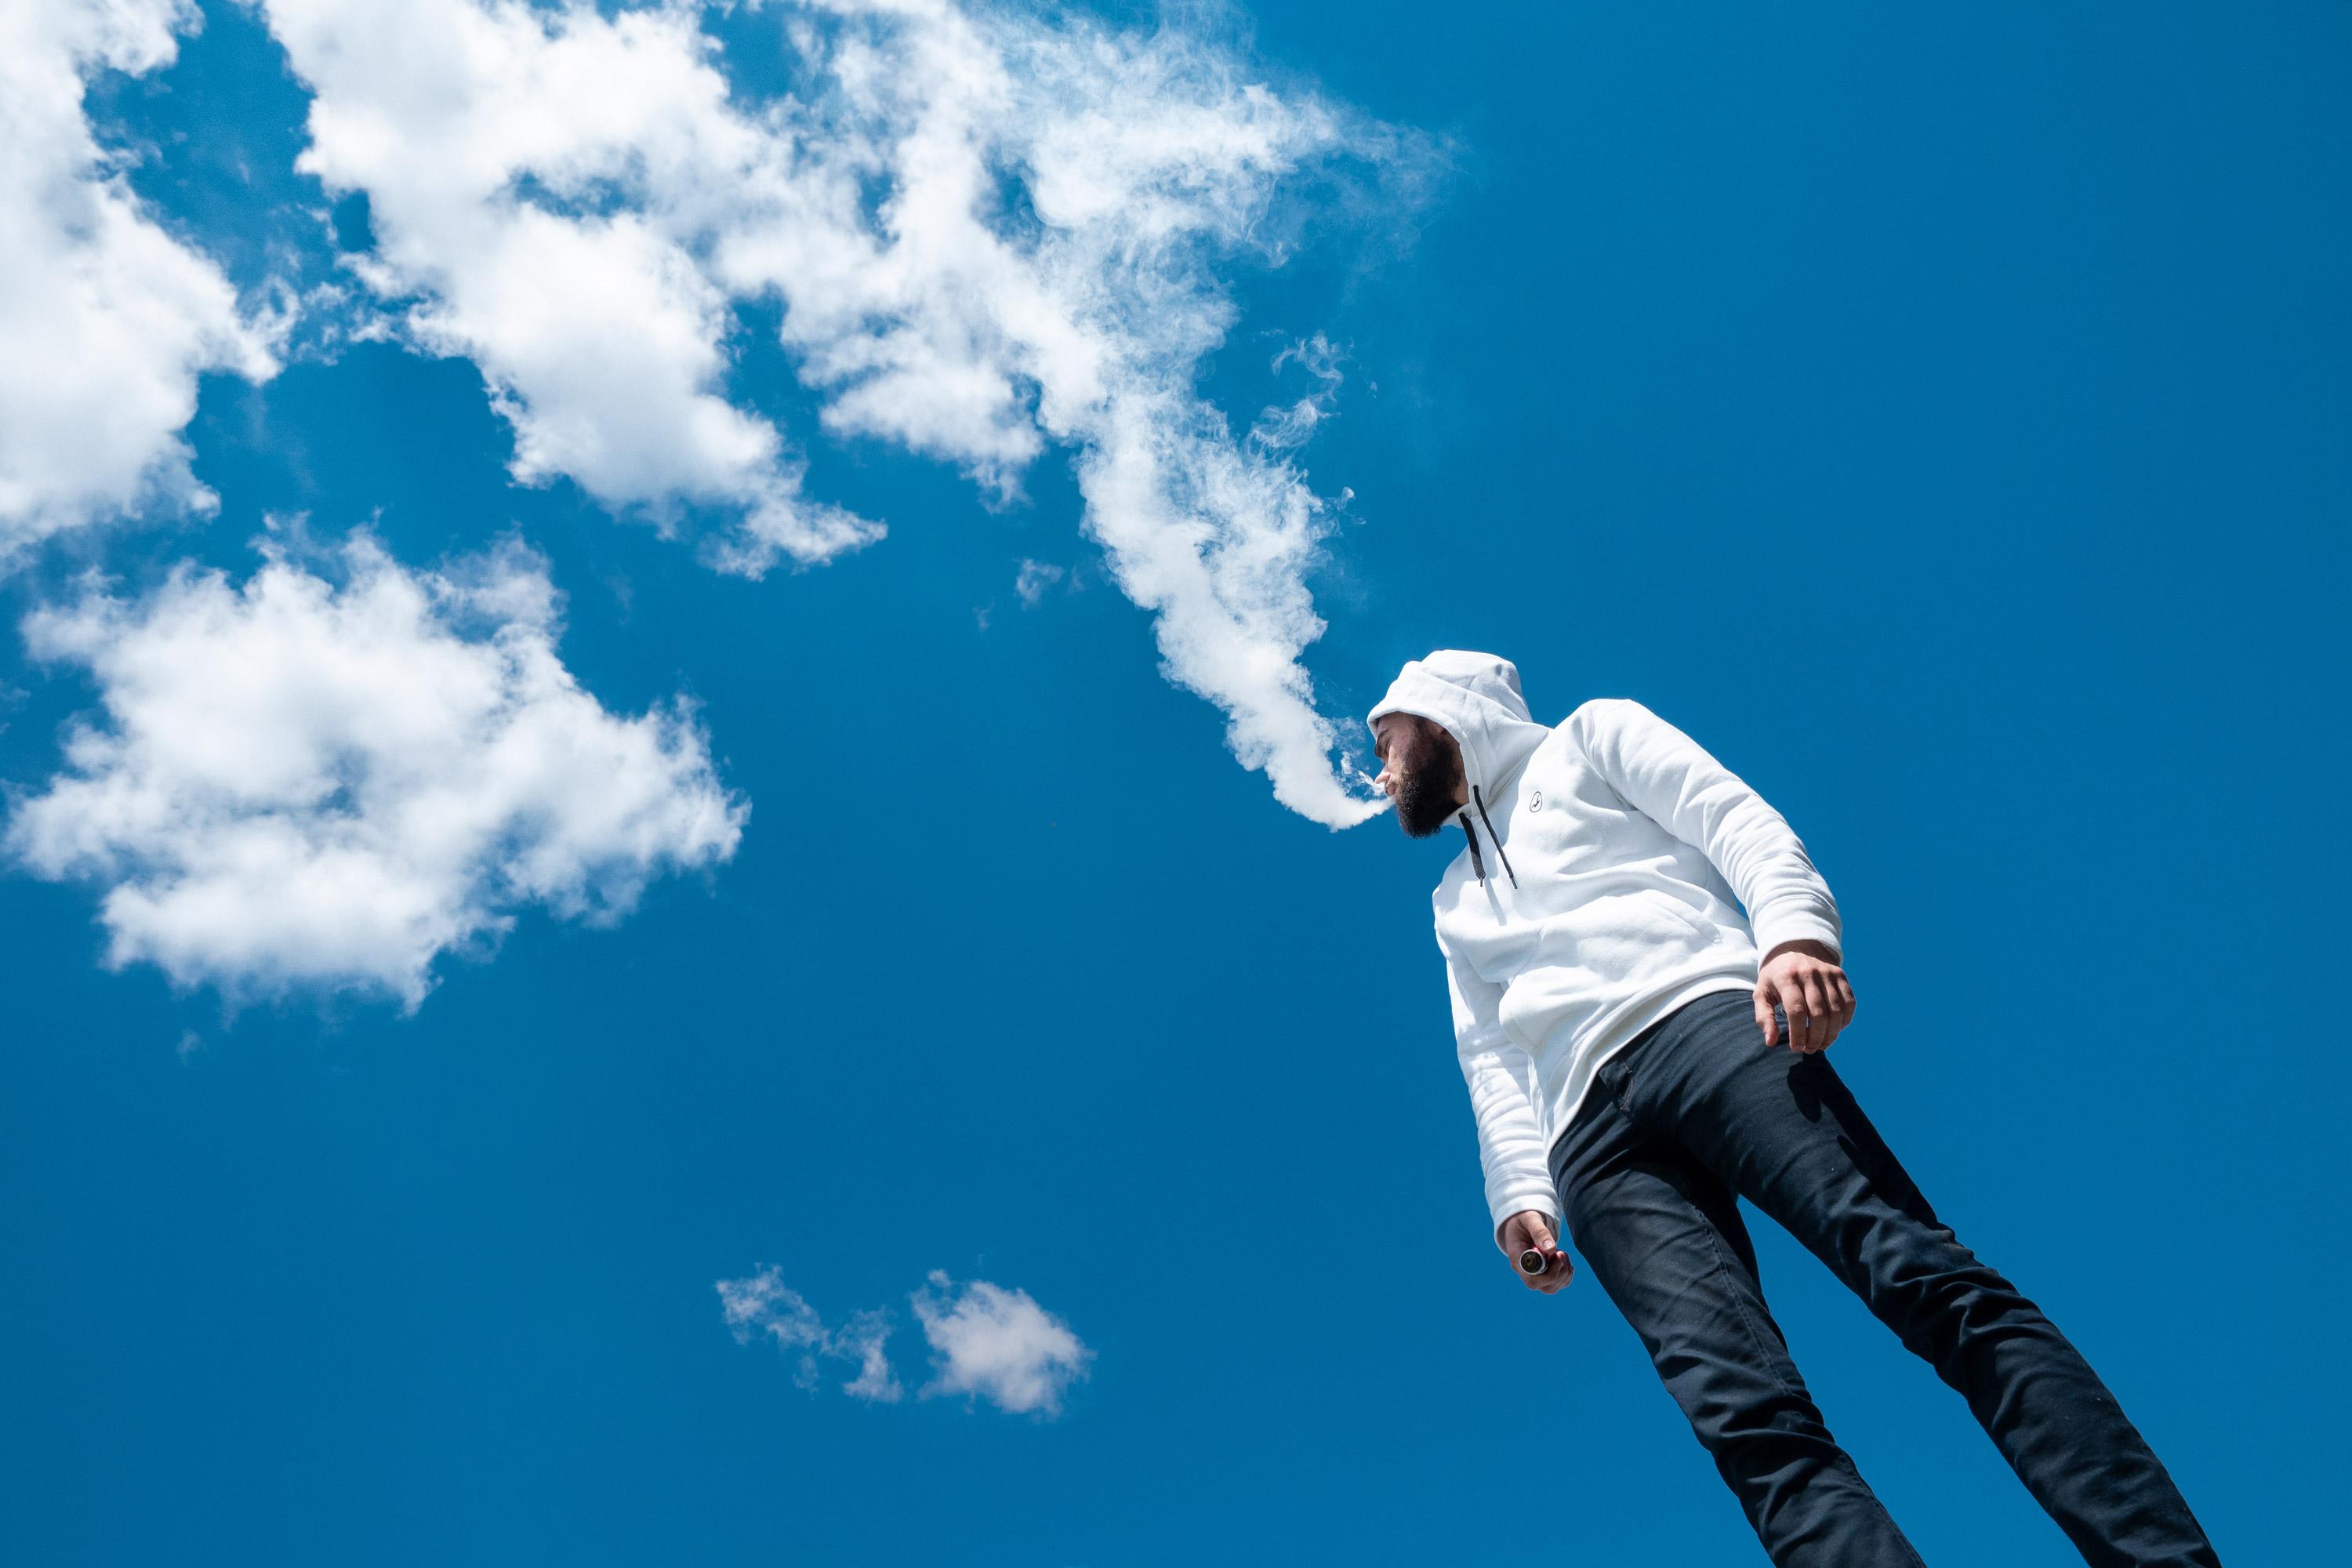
x=1501, y=1078
x=1675, y=782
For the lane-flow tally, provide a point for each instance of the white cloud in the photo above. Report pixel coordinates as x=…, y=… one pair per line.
x=301, y=784
x=991, y=232
x=761, y=1306
x=863, y=1338
x=524, y=168
x=997, y=1345
x=106, y=320
x=986, y=1341
x=1033, y=579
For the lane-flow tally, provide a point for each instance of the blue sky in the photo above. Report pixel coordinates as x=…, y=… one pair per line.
x=1943, y=418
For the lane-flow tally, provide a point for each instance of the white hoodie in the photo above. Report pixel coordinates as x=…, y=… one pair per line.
x=1595, y=896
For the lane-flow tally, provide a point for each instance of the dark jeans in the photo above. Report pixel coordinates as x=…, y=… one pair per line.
x=1698, y=1112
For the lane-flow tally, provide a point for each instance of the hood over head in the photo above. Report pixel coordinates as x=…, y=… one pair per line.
x=1476, y=698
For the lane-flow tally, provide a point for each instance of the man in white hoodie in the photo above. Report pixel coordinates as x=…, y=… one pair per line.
x=1640, y=1054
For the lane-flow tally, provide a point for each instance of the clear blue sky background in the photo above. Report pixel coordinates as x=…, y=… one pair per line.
x=1945, y=417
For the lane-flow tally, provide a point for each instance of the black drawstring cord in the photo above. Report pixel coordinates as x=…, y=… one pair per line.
x=1475, y=864
x=1506, y=859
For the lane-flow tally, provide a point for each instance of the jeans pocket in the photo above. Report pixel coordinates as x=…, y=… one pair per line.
x=1616, y=1081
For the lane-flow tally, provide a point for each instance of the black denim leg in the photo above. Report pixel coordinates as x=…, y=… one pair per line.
x=1665, y=1239
x=1783, y=1131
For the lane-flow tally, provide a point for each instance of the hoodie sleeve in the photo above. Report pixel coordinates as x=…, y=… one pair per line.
x=1500, y=1074
x=1672, y=779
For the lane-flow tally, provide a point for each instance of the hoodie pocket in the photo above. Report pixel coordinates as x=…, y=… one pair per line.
x=1706, y=934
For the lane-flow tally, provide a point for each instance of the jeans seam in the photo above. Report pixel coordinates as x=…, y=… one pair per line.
x=1909, y=1551
x=1714, y=1245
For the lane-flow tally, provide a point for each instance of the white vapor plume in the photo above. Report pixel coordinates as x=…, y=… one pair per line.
x=1280, y=429
x=991, y=230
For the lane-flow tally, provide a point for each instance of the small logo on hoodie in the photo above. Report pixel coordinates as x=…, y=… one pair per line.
x=1535, y=802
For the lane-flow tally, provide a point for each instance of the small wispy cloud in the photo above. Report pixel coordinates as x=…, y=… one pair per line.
x=1034, y=579
x=760, y=1305
x=987, y=1342
x=997, y=1345
x=865, y=1338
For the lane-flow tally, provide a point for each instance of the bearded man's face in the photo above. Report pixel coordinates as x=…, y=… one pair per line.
x=1422, y=769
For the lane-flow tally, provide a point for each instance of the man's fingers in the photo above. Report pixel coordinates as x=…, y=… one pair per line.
x=1532, y=1230
x=1801, y=1023
x=1790, y=1001
x=1817, y=995
x=1527, y=1228
x=1556, y=1272
x=1817, y=1002
x=1840, y=1001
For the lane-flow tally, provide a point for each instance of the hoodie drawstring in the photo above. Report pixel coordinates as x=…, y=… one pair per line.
x=1476, y=863
x=1499, y=855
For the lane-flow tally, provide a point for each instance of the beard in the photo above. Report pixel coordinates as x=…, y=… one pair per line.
x=1424, y=802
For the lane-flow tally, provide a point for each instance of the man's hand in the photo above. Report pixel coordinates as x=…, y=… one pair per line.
x=1532, y=1228
x=1804, y=979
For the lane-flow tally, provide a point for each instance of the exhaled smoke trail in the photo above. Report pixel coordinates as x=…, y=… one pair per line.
x=1216, y=542
x=992, y=230
x=1141, y=162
